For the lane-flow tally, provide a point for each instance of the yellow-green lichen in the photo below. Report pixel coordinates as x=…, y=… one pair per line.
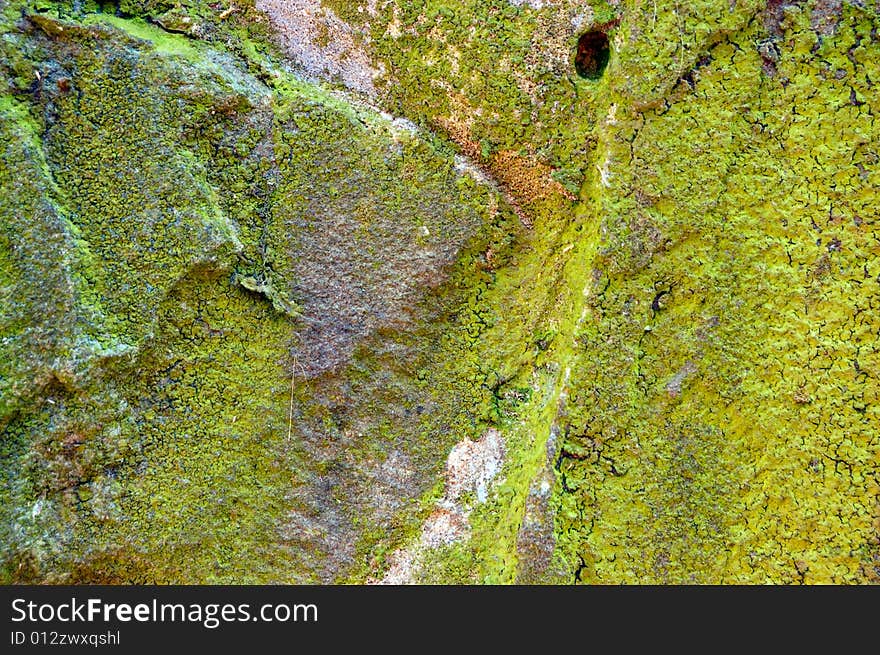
x=275, y=310
x=261, y=393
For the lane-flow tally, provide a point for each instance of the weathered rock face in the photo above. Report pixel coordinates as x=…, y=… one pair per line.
x=598, y=305
x=225, y=294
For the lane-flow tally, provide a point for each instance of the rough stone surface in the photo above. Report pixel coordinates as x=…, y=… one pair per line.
x=501, y=324
x=322, y=45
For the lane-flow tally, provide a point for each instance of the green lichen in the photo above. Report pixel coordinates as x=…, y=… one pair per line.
x=194, y=199
x=719, y=364
x=245, y=318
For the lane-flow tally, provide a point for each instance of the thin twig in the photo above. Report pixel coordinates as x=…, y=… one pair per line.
x=290, y=409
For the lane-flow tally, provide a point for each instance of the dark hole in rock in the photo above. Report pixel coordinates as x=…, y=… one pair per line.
x=592, y=55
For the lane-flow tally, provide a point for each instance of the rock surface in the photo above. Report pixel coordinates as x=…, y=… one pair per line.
x=388, y=291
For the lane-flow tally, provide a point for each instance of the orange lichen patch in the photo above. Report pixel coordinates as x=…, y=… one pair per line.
x=460, y=133
x=525, y=180
x=526, y=177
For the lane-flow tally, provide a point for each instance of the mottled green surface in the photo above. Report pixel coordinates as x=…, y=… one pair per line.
x=244, y=318
x=237, y=292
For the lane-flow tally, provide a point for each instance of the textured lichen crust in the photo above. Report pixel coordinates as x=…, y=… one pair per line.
x=474, y=291
x=225, y=290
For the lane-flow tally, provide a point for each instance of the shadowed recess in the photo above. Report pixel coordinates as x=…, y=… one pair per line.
x=592, y=55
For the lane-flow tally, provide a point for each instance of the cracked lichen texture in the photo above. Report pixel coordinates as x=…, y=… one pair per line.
x=722, y=420
x=224, y=294
x=707, y=408
x=246, y=318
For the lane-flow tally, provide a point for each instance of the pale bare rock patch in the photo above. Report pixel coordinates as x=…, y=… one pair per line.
x=322, y=45
x=471, y=468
